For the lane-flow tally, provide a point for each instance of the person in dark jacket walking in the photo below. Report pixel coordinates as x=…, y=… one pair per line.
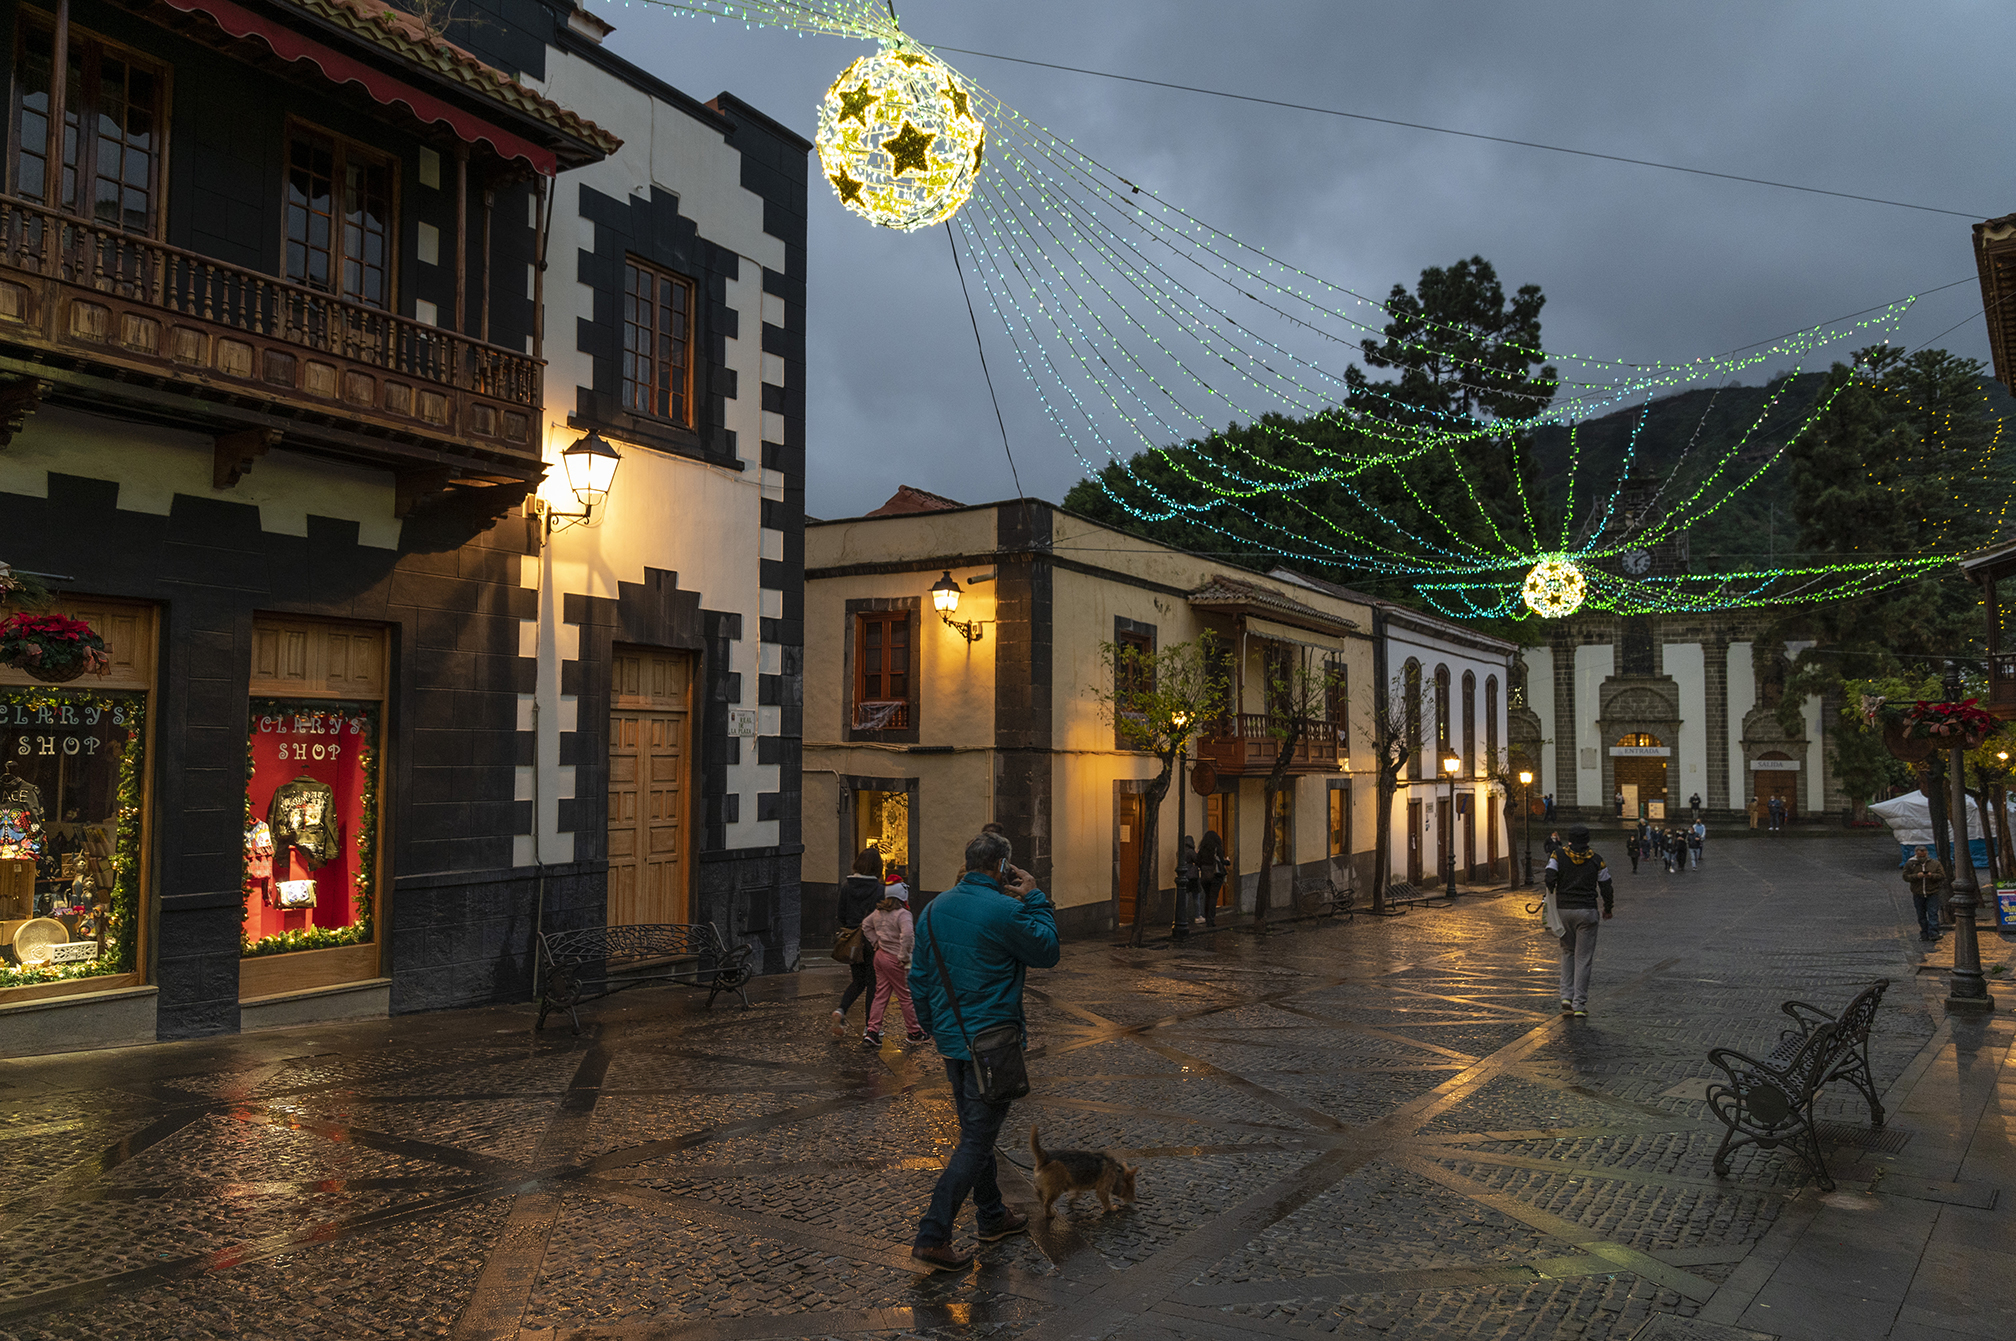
x=990, y=929
x=859, y=893
x=1578, y=880
x=1631, y=851
x=1211, y=871
x=1925, y=875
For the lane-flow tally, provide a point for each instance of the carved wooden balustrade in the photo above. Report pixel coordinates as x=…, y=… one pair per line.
x=110, y=302
x=1247, y=744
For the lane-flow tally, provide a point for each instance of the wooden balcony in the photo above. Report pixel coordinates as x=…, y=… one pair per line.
x=126, y=325
x=2002, y=686
x=1246, y=745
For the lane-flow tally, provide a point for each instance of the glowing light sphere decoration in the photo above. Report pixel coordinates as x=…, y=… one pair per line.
x=898, y=139
x=1554, y=588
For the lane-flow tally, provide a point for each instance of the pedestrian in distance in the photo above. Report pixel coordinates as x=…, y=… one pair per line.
x=889, y=931
x=1547, y=803
x=1631, y=851
x=1751, y=809
x=1697, y=842
x=1694, y=805
x=1620, y=803
x=859, y=893
x=974, y=943
x=1925, y=875
x=1676, y=844
x=1550, y=842
x=1579, y=881
x=1211, y=867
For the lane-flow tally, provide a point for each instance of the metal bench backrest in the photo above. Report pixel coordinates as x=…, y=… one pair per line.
x=1810, y=1065
x=624, y=944
x=1854, y=1022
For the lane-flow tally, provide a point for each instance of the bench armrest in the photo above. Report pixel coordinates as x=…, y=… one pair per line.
x=1806, y=1016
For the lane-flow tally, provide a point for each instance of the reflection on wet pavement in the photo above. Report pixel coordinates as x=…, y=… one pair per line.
x=1375, y=1127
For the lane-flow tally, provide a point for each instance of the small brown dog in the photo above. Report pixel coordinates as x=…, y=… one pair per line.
x=1076, y=1171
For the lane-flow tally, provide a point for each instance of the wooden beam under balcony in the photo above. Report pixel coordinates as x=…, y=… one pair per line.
x=127, y=326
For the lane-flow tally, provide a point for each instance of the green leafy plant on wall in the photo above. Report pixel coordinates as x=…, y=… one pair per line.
x=128, y=712
x=364, y=896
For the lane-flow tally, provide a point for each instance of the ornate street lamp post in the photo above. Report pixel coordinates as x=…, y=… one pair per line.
x=1966, y=990
x=1526, y=805
x=1186, y=870
x=1450, y=763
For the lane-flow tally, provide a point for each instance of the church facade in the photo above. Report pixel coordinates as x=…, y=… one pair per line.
x=1637, y=715
x=1660, y=709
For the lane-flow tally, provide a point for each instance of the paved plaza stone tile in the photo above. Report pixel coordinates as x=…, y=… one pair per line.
x=1373, y=1128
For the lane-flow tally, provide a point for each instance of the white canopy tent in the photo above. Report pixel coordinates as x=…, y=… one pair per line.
x=1910, y=819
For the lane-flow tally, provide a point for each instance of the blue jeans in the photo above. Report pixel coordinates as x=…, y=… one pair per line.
x=971, y=1168
x=1927, y=906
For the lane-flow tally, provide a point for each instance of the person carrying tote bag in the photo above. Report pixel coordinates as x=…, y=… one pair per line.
x=972, y=947
x=859, y=894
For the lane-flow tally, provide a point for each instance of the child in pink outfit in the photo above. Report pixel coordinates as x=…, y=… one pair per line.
x=890, y=930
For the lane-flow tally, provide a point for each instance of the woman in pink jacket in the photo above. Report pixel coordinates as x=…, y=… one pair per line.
x=890, y=929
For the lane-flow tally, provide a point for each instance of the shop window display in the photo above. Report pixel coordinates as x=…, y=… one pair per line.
x=311, y=825
x=71, y=780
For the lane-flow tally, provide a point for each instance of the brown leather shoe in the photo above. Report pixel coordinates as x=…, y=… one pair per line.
x=942, y=1258
x=1011, y=1223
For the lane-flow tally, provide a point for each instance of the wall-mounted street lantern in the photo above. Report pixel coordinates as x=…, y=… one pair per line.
x=945, y=596
x=590, y=465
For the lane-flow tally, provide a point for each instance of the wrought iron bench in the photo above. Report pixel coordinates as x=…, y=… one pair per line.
x=1769, y=1102
x=594, y=962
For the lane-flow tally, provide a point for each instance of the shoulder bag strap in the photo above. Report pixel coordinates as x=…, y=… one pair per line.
x=951, y=998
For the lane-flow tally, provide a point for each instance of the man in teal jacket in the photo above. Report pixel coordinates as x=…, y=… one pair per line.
x=990, y=927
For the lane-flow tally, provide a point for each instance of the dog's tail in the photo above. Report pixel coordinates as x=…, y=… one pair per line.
x=1036, y=1149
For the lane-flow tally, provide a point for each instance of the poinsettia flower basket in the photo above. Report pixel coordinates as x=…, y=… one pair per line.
x=52, y=648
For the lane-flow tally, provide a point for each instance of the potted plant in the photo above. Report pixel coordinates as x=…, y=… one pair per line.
x=52, y=648
x=1915, y=733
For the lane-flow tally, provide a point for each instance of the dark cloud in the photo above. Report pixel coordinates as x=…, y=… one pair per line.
x=1637, y=264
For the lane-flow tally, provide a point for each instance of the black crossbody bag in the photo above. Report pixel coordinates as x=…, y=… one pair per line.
x=997, y=1053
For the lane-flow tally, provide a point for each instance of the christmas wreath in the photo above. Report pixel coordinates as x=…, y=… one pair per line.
x=52, y=647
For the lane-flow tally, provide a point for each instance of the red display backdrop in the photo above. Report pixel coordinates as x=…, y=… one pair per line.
x=311, y=743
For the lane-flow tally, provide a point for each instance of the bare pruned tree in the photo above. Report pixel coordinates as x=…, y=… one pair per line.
x=1304, y=696
x=1156, y=701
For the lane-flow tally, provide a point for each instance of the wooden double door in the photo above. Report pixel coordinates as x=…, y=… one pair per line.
x=651, y=787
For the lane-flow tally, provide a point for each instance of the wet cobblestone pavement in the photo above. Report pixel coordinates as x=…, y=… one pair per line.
x=1375, y=1128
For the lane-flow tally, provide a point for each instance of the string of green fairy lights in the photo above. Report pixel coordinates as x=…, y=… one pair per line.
x=1141, y=327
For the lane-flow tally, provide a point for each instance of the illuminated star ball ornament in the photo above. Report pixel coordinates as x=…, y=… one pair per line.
x=1555, y=588
x=898, y=139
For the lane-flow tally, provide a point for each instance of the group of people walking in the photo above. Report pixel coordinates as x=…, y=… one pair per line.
x=1675, y=849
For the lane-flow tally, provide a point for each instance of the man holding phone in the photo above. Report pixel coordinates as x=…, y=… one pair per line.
x=991, y=928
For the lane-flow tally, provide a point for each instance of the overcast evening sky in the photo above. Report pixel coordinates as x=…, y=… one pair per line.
x=1880, y=99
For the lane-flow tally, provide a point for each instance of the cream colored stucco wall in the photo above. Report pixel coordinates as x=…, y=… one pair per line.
x=153, y=465
x=701, y=521
x=956, y=692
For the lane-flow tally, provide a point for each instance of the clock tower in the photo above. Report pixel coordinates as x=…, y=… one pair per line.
x=1635, y=521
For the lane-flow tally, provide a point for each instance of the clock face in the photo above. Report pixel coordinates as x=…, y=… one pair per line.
x=1637, y=562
